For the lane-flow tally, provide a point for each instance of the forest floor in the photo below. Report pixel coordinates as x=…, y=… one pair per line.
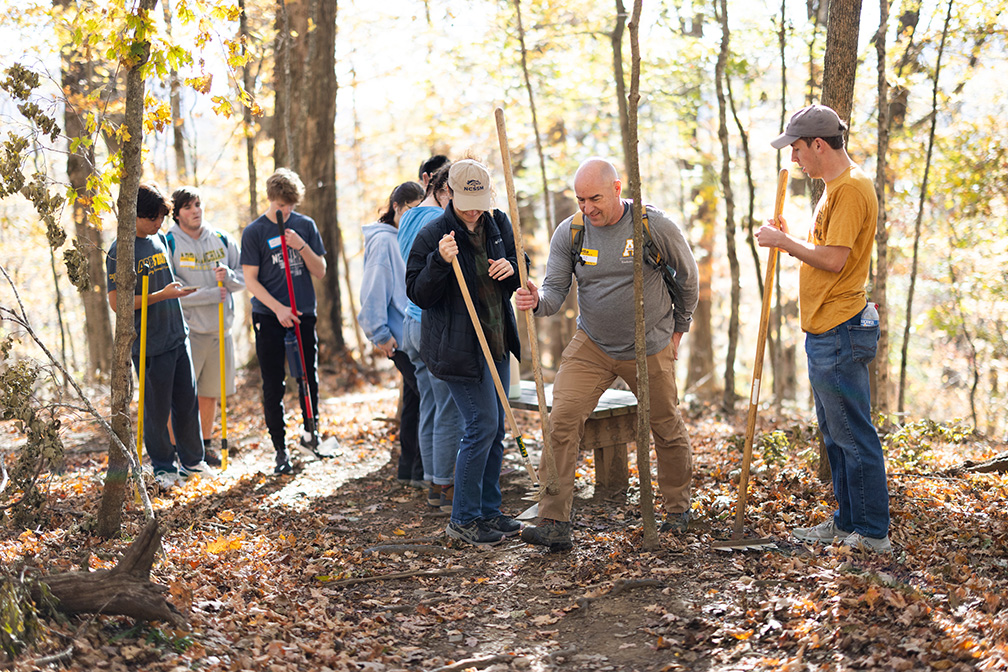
x=340, y=567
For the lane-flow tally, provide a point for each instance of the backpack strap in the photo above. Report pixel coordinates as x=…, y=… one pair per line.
x=170, y=238
x=577, y=237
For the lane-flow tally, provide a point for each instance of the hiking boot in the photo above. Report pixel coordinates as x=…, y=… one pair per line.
x=201, y=468
x=554, y=534
x=509, y=527
x=167, y=479
x=211, y=457
x=676, y=523
x=445, y=504
x=283, y=466
x=434, y=494
x=476, y=533
x=860, y=542
x=824, y=533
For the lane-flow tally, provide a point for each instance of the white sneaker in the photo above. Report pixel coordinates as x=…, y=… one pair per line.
x=199, y=469
x=860, y=542
x=166, y=479
x=823, y=533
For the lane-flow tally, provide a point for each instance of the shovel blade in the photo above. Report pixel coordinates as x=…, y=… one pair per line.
x=530, y=513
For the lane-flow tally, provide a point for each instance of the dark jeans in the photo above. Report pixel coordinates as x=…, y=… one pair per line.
x=410, y=464
x=169, y=385
x=269, y=340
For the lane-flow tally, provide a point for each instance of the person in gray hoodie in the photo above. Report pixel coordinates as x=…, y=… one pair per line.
x=383, y=305
x=208, y=259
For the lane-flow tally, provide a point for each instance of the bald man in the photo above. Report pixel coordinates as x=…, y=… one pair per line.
x=603, y=347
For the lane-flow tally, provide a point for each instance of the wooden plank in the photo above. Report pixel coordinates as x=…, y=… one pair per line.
x=611, y=403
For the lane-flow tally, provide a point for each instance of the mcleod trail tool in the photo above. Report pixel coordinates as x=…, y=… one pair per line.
x=501, y=394
x=223, y=382
x=546, y=459
x=737, y=541
x=302, y=378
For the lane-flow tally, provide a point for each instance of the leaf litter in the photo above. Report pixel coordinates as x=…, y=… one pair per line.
x=294, y=573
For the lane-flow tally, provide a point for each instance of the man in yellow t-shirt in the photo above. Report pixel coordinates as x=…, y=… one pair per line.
x=841, y=330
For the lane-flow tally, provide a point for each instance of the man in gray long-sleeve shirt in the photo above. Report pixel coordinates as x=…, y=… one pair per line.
x=603, y=347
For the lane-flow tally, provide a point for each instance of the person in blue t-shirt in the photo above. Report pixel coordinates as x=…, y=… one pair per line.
x=169, y=382
x=272, y=317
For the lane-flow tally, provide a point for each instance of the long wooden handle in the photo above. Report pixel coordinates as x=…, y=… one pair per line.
x=743, y=492
x=547, y=458
x=501, y=394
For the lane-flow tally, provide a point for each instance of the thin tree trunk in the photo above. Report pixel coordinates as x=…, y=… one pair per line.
x=284, y=105
x=880, y=366
x=972, y=362
x=920, y=212
x=78, y=78
x=777, y=351
x=650, y=540
x=728, y=396
x=248, y=83
x=621, y=95
x=547, y=210
x=110, y=511
x=178, y=137
x=700, y=367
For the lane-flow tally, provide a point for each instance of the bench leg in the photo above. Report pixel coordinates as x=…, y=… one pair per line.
x=611, y=472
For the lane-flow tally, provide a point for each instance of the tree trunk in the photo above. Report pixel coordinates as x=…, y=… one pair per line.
x=621, y=95
x=78, y=77
x=920, y=212
x=839, y=65
x=248, y=83
x=110, y=511
x=550, y=222
x=311, y=109
x=728, y=397
x=124, y=590
x=650, y=540
x=839, y=69
x=700, y=369
x=175, y=97
x=880, y=365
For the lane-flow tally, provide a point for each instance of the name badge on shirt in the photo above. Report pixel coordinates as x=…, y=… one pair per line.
x=274, y=243
x=589, y=257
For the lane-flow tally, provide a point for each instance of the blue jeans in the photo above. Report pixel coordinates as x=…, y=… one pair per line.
x=838, y=371
x=478, y=467
x=440, y=423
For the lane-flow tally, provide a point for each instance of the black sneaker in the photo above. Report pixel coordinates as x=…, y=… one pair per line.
x=509, y=527
x=476, y=533
x=676, y=523
x=553, y=534
x=283, y=466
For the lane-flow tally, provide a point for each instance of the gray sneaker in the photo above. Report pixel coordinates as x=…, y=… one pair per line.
x=201, y=468
x=476, y=533
x=553, y=534
x=823, y=533
x=506, y=526
x=167, y=479
x=858, y=541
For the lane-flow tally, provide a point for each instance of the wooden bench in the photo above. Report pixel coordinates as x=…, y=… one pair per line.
x=608, y=430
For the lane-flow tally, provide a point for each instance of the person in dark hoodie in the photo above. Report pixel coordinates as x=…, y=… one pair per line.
x=383, y=305
x=480, y=238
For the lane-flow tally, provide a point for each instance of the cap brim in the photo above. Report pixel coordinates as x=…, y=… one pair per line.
x=783, y=140
x=465, y=201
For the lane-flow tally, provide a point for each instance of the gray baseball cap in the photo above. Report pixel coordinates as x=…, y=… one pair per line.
x=814, y=121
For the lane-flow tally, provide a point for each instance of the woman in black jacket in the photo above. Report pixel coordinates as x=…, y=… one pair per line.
x=480, y=238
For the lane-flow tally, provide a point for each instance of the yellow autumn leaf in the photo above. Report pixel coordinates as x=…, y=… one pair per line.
x=227, y=515
x=399, y=532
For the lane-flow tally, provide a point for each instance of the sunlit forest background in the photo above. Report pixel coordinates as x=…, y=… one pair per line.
x=229, y=97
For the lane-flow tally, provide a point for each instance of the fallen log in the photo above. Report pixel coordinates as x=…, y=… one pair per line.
x=124, y=590
x=998, y=464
